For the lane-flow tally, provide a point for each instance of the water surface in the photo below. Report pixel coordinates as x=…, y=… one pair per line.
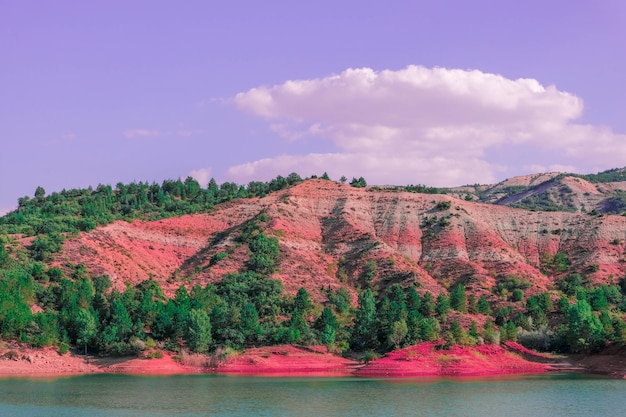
x=208, y=395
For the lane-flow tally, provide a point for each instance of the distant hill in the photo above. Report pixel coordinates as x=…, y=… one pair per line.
x=604, y=192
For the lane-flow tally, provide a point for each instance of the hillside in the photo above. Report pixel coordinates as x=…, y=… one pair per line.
x=328, y=231
x=359, y=269
x=604, y=192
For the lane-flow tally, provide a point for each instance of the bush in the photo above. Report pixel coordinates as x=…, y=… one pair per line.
x=217, y=257
x=541, y=339
x=443, y=205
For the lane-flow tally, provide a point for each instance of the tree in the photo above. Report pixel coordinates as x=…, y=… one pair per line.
x=298, y=328
x=399, y=331
x=327, y=318
x=430, y=329
x=302, y=301
x=343, y=179
x=443, y=305
x=4, y=256
x=457, y=334
x=198, y=335
x=265, y=252
x=458, y=299
x=40, y=193
x=584, y=329
x=328, y=336
x=472, y=307
x=86, y=327
x=413, y=300
x=360, y=183
x=365, y=324
x=249, y=322
x=483, y=306
x=340, y=299
x=428, y=305
x=473, y=331
x=489, y=332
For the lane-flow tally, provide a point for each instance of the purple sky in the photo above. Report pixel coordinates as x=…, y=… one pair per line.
x=432, y=92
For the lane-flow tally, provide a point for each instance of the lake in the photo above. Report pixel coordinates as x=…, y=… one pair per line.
x=566, y=395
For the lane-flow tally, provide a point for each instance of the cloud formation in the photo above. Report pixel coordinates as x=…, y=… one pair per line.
x=435, y=126
x=202, y=175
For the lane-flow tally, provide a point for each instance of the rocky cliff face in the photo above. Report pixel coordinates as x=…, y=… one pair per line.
x=335, y=235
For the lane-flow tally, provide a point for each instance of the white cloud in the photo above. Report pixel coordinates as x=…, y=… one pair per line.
x=139, y=133
x=202, y=175
x=418, y=125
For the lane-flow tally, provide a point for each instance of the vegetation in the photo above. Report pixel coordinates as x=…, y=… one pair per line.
x=249, y=308
x=543, y=202
x=611, y=175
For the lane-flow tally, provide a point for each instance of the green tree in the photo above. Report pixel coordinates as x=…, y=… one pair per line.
x=457, y=334
x=430, y=329
x=428, y=305
x=249, y=323
x=399, y=331
x=360, y=183
x=472, y=306
x=4, y=256
x=40, y=193
x=86, y=327
x=458, y=299
x=489, y=332
x=198, y=335
x=340, y=299
x=518, y=295
x=327, y=318
x=298, y=328
x=584, y=329
x=443, y=305
x=328, y=336
x=473, y=331
x=413, y=300
x=483, y=306
x=265, y=251
x=365, y=324
x=302, y=301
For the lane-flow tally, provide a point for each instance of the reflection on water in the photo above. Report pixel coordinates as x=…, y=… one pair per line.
x=207, y=395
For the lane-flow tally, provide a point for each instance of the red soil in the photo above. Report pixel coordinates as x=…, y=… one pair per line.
x=142, y=366
x=293, y=361
x=287, y=360
x=426, y=360
x=19, y=361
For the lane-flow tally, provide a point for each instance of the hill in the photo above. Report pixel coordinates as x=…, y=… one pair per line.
x=355, y=268
x=328, y=232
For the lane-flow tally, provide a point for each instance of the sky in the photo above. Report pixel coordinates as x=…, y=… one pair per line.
x=440, y=93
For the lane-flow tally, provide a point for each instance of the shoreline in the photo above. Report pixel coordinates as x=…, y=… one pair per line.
x=424, y=360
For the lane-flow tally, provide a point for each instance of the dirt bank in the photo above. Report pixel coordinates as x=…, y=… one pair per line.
x=610, y=361
x=425, y=359
x=287, y=360
x=430, y=359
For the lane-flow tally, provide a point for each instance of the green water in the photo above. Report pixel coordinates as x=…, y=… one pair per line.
x=204, y=395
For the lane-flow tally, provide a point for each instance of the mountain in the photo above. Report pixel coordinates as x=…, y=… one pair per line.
x=330, y=234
